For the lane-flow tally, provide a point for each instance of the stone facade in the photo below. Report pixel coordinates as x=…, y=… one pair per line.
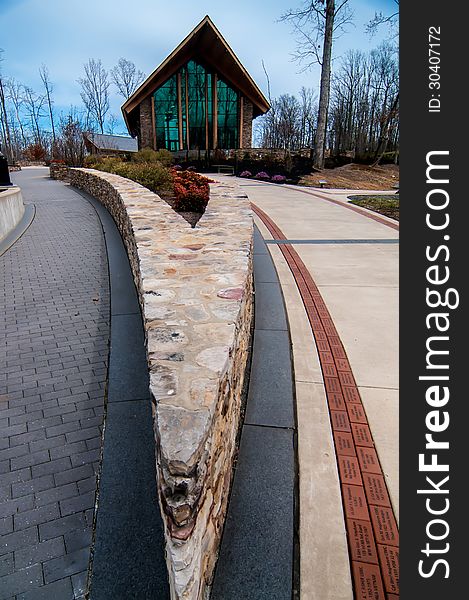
x=247, y=123
x=145, y=136
x=195, y=290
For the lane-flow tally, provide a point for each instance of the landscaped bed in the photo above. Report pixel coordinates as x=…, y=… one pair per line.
x=185, y=191
x=387, y=205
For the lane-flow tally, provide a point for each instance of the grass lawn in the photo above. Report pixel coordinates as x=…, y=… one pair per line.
x=384, y=205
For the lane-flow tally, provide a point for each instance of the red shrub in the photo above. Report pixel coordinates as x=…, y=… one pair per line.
x=191, y=190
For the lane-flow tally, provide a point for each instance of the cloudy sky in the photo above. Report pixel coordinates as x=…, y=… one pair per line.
x=64, y=34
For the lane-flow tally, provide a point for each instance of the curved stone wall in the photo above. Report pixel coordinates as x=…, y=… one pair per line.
x=195, y=291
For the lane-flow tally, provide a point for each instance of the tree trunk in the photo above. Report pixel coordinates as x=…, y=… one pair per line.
x=5, y=125
x=384, y=137
x=320, y=140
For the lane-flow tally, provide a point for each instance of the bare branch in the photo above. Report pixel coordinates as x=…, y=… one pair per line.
x=126, y=77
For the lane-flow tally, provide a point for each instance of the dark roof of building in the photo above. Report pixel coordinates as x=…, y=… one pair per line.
x=119, y=143
x=206, y=43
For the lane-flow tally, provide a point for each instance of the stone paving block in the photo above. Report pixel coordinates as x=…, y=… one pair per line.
x=79, y=583
x=264, y=270
x=56, y=493
x=70, y=564
x=25, y=557
x=75, y=474
x=270, y=398
x=272, y=315
x=51, y=467
x=7, y=564
x=37, y=484
x=21, y=581
x=60, y=590
x=33, y=458
x=264, y=481
x=128, y=479
x=128, y=373
x=78, y=539
x=16, y=505
x=259, y=246
x=78, y=503
x=18, y=539
x=36, y=516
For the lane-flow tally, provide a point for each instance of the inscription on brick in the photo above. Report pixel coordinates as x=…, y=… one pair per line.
x=346, y=378
x=362, y=435
x=342, y=364
x=322, y=345
x=384, y=525
x=375, y=489
x=338, y=352
x=351, y=395
x=389, y=559
x=332, y=384
x=329, y=370
x=368, y=582
x=349, y=470
x=340, y=420
x=336, y=401
x=368, y=460
x=355, y=502
x=344, y=443
x=356, y=412
x=361, y=540
x=326, y=357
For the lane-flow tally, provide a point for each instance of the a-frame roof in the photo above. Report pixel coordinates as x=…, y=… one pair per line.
x=205, y=43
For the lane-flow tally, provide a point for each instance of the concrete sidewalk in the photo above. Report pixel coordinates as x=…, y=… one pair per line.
x=353, y=260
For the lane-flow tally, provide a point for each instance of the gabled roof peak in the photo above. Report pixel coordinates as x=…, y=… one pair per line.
x=207, y=43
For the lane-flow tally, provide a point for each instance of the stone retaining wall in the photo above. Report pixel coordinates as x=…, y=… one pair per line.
x=195, y=290
x=11, y=209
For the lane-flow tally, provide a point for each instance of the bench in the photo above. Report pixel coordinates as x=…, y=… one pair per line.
x=322, y=183
x=225, y=169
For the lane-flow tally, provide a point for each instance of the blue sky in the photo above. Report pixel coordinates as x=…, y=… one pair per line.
x=64, y=34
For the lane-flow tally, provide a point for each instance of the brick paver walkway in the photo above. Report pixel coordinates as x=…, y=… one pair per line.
x=54, y=330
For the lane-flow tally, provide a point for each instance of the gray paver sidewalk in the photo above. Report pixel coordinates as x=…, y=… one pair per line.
x=54, y=330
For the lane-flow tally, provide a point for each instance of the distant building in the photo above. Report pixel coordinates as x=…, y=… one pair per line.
x=100, y=143
x=199, y=98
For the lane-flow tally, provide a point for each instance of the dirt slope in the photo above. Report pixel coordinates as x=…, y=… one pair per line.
x=356, y=177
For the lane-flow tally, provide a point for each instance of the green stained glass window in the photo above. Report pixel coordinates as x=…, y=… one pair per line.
x=193, y=90
x=227, y=121
x=196, y=83
x=166, y=115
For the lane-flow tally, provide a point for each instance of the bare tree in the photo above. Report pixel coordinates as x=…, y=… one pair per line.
x=34, y=104
x=112, y=123
x=315, y=23
x=392, y=20
x=4, y=114
x=364, y=103
x=15, y=94
x=126, y=77
x=95, y=91
x=44, y=74
x=70, y=143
